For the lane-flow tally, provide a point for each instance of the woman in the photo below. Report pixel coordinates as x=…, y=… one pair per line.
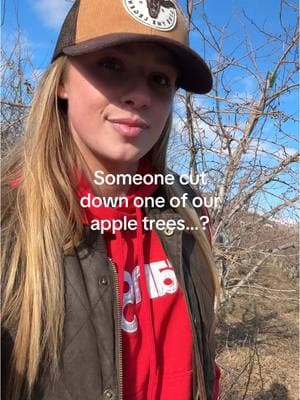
x=117, y=313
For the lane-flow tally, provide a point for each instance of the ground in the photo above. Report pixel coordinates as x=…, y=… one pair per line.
x=258, y=339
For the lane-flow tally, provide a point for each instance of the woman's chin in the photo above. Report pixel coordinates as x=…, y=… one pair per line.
x=122, y=162
x=126, y=157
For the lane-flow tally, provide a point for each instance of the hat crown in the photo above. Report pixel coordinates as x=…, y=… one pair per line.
x=154, y=17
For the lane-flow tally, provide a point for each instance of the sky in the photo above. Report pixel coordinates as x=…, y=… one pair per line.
x=40, y=21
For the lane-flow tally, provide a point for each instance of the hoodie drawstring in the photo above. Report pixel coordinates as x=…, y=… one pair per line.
x=121, y=272
x=149, y=328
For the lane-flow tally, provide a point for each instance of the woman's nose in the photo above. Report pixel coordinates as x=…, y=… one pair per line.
x=137, y=93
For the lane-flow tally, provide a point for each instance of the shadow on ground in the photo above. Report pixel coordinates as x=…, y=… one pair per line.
x=253, y=326
x=277, y=391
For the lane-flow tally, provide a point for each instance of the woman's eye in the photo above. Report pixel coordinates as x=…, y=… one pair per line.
x=161, y=80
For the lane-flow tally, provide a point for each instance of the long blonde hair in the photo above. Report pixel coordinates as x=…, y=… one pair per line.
x=41, y=220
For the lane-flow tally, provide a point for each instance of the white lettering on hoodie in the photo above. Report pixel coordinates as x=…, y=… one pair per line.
x=161, y=281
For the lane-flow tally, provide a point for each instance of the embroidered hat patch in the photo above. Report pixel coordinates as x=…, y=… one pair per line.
x=158, y=14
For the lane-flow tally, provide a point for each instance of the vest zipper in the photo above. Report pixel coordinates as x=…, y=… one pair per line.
x=199, y=367
x=118, y=328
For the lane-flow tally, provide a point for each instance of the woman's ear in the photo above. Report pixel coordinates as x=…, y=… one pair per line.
x=62, y=92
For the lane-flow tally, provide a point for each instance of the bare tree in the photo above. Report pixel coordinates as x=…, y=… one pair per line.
x=18, y=80
x=243, y=134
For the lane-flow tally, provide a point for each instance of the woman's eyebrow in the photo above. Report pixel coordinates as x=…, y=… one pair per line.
x=162, y=59
x=165, y=61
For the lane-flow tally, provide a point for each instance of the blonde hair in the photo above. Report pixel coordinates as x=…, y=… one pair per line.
x=41, y=220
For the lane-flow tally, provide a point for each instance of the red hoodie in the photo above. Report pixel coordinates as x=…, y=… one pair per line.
x=156, y=329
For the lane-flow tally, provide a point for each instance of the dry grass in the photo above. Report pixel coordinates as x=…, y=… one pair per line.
x=258, y=340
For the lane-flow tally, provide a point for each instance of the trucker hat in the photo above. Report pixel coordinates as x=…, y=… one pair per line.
x=93, y=25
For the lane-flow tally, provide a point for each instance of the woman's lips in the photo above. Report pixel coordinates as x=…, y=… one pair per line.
x=129, y=127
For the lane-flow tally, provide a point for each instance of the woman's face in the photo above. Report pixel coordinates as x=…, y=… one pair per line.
x=119, y=100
